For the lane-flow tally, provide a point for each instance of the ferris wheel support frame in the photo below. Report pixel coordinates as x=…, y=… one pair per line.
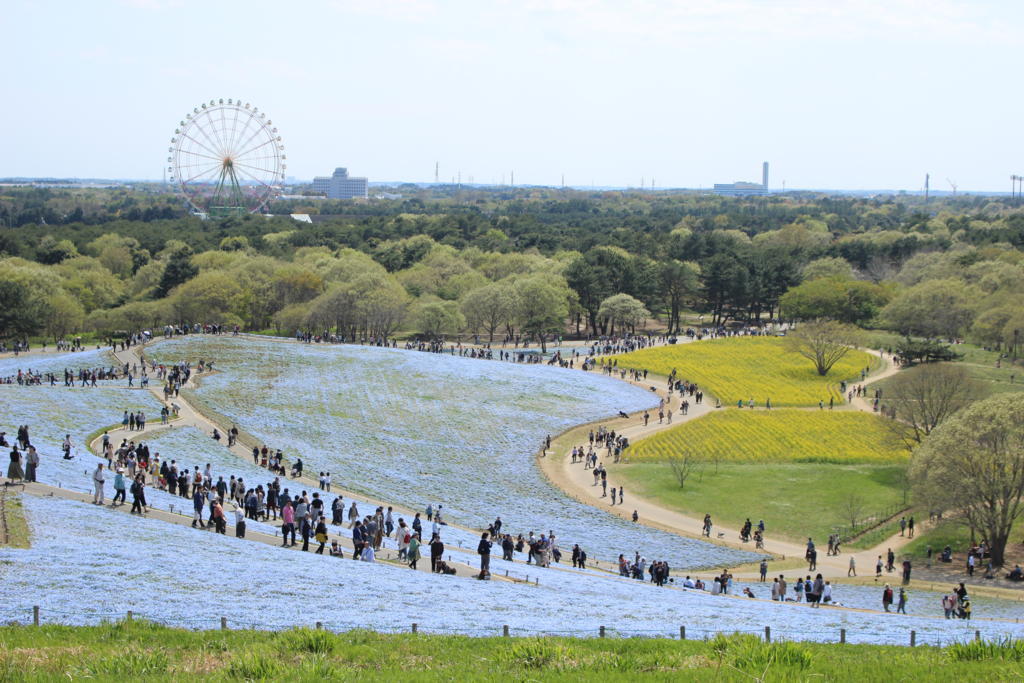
x=226, y=159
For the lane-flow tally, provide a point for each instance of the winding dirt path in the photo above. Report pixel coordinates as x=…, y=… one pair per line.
x=459, y=561
x=579, y=483
x=189, y=416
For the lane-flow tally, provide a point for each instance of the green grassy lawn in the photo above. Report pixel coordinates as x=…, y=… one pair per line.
x=795, y=500
x=14, y=515
x=981, y=365
x=137, y=650
x=958, y=537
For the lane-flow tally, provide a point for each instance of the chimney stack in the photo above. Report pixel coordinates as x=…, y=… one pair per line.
x=764, y=175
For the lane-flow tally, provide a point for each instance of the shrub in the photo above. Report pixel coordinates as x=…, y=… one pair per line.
x=976, y=650
x=534, y=653
x=130, y=663
x=750, y=653
x=254, y=667
x=309, y=640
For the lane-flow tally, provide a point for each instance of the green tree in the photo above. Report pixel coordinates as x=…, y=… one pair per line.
x=833, y=267
x=933, y=309
x=724, y=286
x=988, y=327
x=52, y=251
x=848, y=301
x=823, y=342
x=179, y=269
x=65, y=315
x=21, y=313
x=679, y=285
x=928, y=395
x=436, y=319
x=623, y=311
x=542, y=304
x=487, y=308
x=212, y=296
x=972, y=466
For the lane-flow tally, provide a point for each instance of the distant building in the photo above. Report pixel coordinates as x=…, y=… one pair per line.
x=740, y=188
x=341, y=186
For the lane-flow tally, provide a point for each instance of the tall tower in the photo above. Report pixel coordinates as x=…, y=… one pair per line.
x=764, y=175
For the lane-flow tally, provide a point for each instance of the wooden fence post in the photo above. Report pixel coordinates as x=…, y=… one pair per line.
x=977, y=635
x=504, y=630
x=223, y=623
x=319, y=626
x=414, y=626
x=35, y=615
x=767, y=634
x=602, y=631
x=913, y=638
x=682, y=633
x=842, y=635
x=129, y=615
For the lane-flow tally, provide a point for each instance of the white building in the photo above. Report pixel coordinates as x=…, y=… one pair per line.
x=341, y=186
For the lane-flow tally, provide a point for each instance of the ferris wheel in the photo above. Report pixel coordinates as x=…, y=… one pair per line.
x=226, y=158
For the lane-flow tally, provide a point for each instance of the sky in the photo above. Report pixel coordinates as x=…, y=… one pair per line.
x=839, y=94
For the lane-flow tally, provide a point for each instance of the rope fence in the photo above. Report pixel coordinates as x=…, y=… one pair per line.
x=35, y=617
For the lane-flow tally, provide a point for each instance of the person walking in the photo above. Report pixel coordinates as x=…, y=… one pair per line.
x=31, y=463
x=138, y=496
x=901, y=606
x=99, y=477
x=287, y=522
x=413, y=552
x=436, y=551
x=198, y=501
x=887, y=597
x=217, y=517
x=119, y=488
x=321, y=534
x=306, y=531
x=852, y=571
x=484, y=550
x=240, y=525
x=764, y=569
x=14, y=471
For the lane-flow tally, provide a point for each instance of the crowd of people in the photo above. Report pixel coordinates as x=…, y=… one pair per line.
x=306, y=516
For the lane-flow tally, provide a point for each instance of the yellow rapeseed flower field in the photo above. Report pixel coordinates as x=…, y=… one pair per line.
x=788, y=435
x=741, y=368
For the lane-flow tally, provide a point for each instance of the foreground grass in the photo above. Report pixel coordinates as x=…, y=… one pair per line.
x=740, y=368
x=795, y=500
x=14, y=515
x=818, y=436
x=131, y=650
